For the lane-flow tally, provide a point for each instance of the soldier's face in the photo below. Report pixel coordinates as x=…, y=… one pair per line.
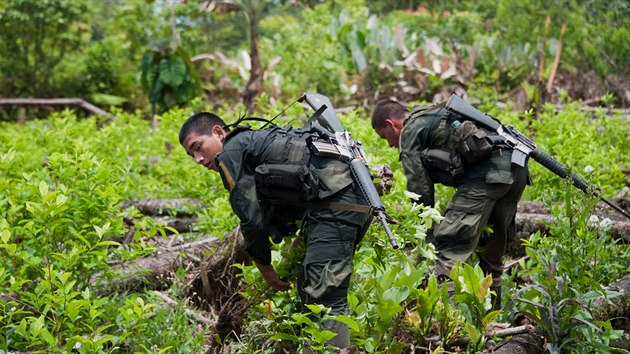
x=390, y=132
x=203, y=148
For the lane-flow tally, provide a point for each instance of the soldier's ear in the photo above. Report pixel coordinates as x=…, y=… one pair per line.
x=393, y=123
x=219, y=132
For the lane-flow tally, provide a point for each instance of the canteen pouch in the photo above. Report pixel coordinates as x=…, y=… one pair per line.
x=469, y=141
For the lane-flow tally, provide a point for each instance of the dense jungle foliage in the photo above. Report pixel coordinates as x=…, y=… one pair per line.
x=66, y=176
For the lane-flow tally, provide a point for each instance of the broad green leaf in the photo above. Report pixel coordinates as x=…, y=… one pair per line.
x=37, y=326
x=172, y=71
x=388, y=278
x=324, y=336
x=301, y=319
x=108, y=243
x=387, y=310
x=473, y=334
x=315, y=308
x=348, y=321
x=285, y=336
x=43, y=188
x=5, y=236
x=397, y=294
x=491, y=316
x=21, y=329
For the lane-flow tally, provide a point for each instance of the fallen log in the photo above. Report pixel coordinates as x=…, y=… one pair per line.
x=155, y=271
x=173, y=207
x=533, y=216
x=57, y=101
x=526, y=343
x=617, y=306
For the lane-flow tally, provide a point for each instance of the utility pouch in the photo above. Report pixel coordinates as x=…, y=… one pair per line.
x=444, y=166
x=469, y=141
x=286, y=182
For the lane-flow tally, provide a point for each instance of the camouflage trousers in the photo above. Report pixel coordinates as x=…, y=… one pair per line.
x=488, y=196
x=331, y=237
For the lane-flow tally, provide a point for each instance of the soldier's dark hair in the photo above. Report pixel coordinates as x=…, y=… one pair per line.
x=385, y=109
x=200, y=123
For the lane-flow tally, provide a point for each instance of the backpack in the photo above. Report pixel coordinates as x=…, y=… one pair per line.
x=456, y=144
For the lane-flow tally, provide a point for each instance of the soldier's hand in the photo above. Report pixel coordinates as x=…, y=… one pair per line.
x=272, y=278
x=280, y=285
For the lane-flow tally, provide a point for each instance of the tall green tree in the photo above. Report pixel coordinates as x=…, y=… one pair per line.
x=168, y=76
x=254, y=10
x=35, y=37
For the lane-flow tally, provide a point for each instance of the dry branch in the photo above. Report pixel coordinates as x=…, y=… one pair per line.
x=57, y=101
x=216, y=287
x=556, y=59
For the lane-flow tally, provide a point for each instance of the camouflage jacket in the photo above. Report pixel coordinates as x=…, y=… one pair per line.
x=243, y=151
x=428, y=128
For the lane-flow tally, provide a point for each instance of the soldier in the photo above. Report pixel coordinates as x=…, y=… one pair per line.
x=274, y=181
x=437, y=146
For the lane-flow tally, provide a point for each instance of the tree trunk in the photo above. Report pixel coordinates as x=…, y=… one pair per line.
x=255, y=84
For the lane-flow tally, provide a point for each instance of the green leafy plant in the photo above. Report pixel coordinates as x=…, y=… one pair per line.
x=567, y=268
x=472, y=293
x=564, y=317
x=429, y=306
x=168, y=77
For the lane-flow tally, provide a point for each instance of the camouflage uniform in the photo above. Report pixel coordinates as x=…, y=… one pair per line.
x=487, y=193
x=331, y=236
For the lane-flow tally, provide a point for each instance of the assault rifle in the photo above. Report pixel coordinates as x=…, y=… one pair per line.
x=522, y=146
x=326, y=123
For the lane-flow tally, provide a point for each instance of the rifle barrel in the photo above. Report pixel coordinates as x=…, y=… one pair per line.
x=554, y=166
x=381, y=216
